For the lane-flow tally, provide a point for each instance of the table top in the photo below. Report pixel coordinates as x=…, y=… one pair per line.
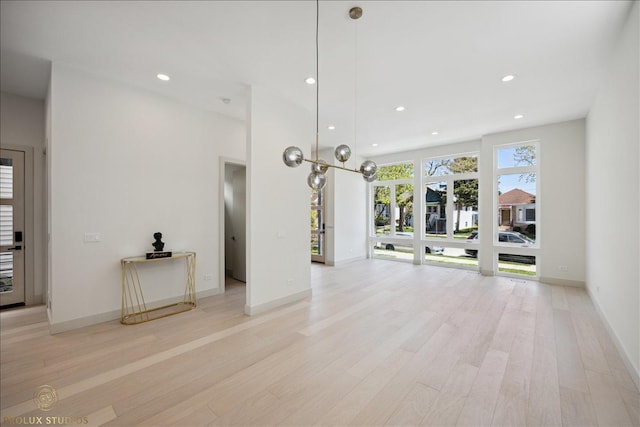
x=143, y=258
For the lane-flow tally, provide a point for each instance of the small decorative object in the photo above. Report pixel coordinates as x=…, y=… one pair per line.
x=158, y=247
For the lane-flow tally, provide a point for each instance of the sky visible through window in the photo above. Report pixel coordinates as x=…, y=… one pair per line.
x=511, y=181
x=517, y=157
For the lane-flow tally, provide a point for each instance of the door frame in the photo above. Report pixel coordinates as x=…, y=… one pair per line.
x=224, y=161
x=29, y=238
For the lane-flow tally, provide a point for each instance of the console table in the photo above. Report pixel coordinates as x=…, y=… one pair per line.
x=134, y=307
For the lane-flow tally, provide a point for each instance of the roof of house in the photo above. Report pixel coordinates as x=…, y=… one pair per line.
x=433, y=197
x=516, y=197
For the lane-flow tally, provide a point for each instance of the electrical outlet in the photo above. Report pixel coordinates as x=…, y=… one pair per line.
x=290, y=282
x=91, y=237
x=563, y=268
x=208, y=277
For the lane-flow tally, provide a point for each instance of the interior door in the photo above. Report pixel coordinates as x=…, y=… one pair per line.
x=11, y=228
x=239, y=220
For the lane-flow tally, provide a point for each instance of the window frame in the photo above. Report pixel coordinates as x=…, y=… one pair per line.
x=514, y=248
x=392, y=237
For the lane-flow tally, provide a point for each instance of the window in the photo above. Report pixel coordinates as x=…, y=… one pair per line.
x=516, y=182
x=381, y=210
x=436, y=209
x=318, y=236
x=451, y=192
x=392, y=212
x=516, y=174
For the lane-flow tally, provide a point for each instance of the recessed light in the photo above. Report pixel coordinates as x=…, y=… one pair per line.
x=518, y=116
x=310, y=80
x=374, y=145
x=399, y=108
x=434, y=133
x=163, y=77
x=508, y=78
x=331, y=127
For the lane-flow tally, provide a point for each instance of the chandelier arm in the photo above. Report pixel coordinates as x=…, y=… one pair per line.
x=316, y=162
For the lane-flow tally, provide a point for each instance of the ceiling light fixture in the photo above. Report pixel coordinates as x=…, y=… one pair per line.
x=518, y=116
x=293, y=156
x=163, y=77
x=310, y=80
x=508, y=78
x=374, y=145
x=331, y=127
x=434, y=133
x=399, y=108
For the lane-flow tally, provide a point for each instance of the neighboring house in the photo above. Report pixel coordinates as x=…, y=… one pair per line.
x=517, y=208
x=435, y=211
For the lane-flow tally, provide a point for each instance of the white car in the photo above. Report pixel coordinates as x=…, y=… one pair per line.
x=409, y=246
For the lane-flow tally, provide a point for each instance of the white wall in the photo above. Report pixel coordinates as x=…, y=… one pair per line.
x=350, y=203
x=560, y=216
x=126, y=163
x=22, y=126
x=345, y=208
x=613, y=200
x=278, y=232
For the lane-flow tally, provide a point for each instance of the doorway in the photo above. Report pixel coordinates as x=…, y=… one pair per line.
x=317, y=226
x=234, y=260
x=12, y=210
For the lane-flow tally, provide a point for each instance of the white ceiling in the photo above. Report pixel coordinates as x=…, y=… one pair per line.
x=442, y=60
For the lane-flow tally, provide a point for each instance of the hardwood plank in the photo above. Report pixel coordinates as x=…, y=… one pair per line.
x=448, y=405
x=577, y=408
x=480, y=404
x=609, y=405
x=592, y=355
x=357, y=399
x=559, y=298
x=570, y=367
x=413, y=408
x=543, y=408
x=512, y=404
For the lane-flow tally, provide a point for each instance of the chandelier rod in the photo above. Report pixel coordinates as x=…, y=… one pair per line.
x=317, y=82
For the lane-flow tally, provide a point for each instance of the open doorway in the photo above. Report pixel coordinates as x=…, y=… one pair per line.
x=233, y=231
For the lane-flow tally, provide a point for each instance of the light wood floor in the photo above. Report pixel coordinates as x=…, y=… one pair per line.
x=380, y=343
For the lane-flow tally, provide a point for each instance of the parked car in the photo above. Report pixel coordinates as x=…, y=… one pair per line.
x=507, y=237
x=393, y=246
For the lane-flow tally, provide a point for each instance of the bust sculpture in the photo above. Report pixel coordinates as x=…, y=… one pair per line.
x=158, y=245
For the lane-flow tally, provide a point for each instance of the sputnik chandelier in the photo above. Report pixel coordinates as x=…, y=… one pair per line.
x=293, y=156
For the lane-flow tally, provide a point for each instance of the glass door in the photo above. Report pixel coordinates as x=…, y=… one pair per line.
x=317, y=226
x=11, y=228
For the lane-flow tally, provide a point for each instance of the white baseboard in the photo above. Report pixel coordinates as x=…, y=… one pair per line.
x=633, y=372
x=261, y=308
x=563, y=282
x=56, y=328
x=349, y=260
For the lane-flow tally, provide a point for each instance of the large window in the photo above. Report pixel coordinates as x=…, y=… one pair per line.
x=393, y=213
x=450, y=192
x=451, y=197
x=516, y=174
